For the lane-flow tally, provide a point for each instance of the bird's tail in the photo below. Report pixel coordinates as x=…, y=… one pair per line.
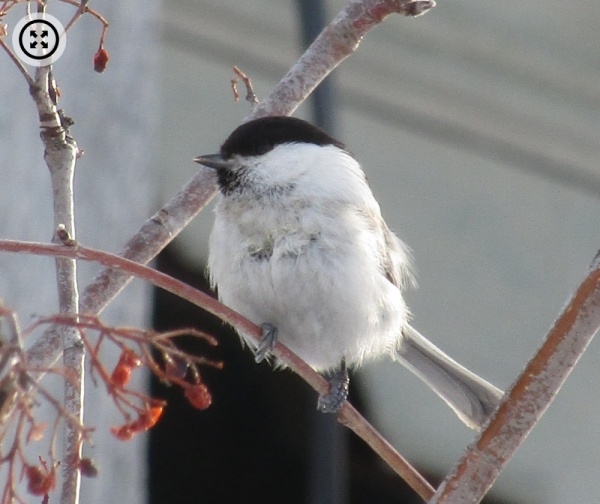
x=472, y=398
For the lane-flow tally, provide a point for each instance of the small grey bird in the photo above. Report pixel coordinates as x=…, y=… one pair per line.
x=299, y=247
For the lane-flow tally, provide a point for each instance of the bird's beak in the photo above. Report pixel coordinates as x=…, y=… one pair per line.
x=212, y=161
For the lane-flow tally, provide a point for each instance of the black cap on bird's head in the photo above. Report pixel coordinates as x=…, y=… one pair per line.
x=259, y=136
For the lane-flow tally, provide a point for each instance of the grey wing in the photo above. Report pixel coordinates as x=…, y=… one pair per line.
x=394, y=256
x=396, y=259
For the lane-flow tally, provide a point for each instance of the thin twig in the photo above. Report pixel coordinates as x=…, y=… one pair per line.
x=250, y=95
x=349, y=417
x=82, y=8
x=528, y=398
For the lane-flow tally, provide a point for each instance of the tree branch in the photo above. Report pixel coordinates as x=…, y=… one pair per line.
x=335, y=43
x=60, y=155
x=528, y=398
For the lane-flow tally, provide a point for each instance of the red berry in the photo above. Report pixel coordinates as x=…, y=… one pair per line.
x=198, y=396
x=100, y=60
x=123, y=433
x=39, y=481
x=130, y=359
x=145, y=421
x=122, y=372
x=121, y=375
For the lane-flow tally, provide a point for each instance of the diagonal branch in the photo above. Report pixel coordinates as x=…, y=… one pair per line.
x=335, y=43
x=528, y=398
x=348, y=415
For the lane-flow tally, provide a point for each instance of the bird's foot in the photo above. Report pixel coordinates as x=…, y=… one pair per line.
x=267, y=341
x=338, y=391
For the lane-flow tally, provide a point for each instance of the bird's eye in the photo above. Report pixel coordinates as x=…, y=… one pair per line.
x=262, y=148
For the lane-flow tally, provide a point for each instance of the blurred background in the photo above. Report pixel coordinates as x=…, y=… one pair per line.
x=477, y=126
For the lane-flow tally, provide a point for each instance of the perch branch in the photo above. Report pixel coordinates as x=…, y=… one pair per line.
x=349, y=416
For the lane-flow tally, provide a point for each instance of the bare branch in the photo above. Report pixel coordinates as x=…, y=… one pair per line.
x=349, y=417
x=335, y=43
x=82, y=8
x=528, y=398
x=60, y=154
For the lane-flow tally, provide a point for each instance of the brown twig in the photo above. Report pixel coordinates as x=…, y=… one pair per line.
x=9, y=4
x=82, y=8
x=528, y=398
x=349, y=417
x=250, y=95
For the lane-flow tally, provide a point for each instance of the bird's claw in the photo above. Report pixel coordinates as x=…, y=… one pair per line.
x=267, y=341
x=338, y=392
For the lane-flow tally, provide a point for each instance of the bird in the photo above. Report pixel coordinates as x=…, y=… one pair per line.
x=300, y=248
